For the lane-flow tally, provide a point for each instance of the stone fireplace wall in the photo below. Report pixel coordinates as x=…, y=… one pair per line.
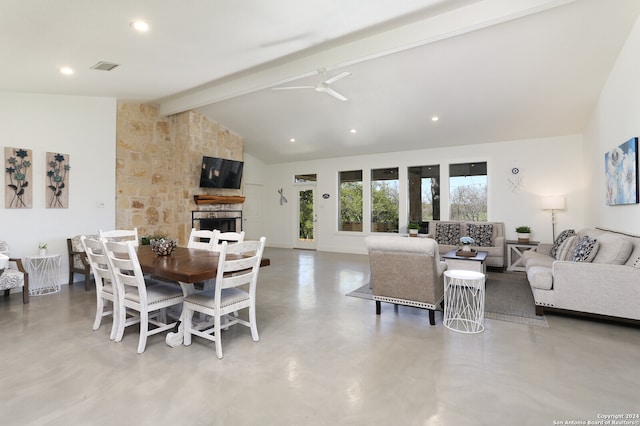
x=158, y=162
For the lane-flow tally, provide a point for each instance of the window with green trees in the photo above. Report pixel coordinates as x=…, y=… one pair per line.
x=468, y=191
x=384, y=200
x=424, y=193
x=350, y=188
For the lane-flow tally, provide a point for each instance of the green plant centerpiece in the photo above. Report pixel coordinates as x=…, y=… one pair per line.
x=413, y=228
x=524, y=233
x=146, y=240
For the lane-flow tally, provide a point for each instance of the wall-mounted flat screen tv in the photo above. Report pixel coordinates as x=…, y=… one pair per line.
x=220, y=173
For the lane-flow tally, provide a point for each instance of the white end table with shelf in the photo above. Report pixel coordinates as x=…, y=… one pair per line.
x=515, y=250
x=44, y=273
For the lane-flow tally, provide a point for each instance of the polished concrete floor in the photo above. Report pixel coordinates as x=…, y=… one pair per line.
x=322, y=359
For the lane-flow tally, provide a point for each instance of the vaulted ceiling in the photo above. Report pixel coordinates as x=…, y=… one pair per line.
x=490, y=70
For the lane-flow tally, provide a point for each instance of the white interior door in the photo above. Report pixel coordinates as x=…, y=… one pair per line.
x=253, y=223
x=307, y=217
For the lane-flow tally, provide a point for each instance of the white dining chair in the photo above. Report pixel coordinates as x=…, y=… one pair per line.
x=121, y=235
x=105, y=288
x=227, y=298
x=136, y=300
x=203, y=239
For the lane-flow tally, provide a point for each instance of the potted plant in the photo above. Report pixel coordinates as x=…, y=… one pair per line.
x=413, y=229
x=524, y=232
x=43, y=249
x=466, y=243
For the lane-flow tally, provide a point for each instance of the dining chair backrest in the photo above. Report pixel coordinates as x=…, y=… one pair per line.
x=234, y=271
x=105, y=287
x=203, y=239
x=125, y=268
x=229, y=237
x=121, y=235
x=98, y=261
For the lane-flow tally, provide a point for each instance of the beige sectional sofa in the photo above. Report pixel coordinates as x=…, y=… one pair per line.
x=607, y=283
x=489, y=237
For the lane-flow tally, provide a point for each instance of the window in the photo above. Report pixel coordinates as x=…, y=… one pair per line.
x=424, y=193
x=310, y=179
x=350, y=188
x=468, y=191
x=384, y=200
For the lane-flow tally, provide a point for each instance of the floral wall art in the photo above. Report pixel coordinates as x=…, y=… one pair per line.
x=621, y=173
x=57, y=180
x=18, y=193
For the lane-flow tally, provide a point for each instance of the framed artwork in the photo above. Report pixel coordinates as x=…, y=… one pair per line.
x=18, y=192
x=57, y=180
x=621, y=173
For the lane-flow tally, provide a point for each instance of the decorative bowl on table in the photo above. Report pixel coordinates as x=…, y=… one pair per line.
x=163, y=246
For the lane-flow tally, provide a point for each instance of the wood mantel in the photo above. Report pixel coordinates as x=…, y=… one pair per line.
x=218, y=199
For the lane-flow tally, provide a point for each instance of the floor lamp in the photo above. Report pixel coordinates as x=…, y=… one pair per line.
x=553, y=203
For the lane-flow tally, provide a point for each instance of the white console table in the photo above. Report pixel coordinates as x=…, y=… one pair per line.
x=44, y=274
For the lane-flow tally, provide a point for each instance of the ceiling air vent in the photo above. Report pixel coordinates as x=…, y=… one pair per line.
x=104, y=66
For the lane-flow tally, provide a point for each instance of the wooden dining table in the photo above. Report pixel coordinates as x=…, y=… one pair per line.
x=185, y=266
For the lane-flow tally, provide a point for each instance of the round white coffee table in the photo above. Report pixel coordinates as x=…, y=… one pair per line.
x=464, y=301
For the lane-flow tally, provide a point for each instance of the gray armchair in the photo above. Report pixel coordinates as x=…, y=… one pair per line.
x=78, y=261
x=12, y=274
x=406, y=271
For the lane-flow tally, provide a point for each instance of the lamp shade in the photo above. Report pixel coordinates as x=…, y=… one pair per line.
x=553, y=202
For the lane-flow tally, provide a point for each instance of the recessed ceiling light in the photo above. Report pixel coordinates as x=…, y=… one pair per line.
x=140, y=26
x=435, y=118
x=353, y=131
x=66, y=71
x=292, y=140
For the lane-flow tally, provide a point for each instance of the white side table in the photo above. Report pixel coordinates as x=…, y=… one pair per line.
x=464, y=301
x=515, y=250
x=44, y=274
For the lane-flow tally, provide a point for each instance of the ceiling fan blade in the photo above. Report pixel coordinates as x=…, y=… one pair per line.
x=293, y=87
x=330, y=91
x=337, y=77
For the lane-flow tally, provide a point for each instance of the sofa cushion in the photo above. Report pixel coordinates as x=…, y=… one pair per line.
x=613, y=250
x=585, y=249
x=559, y=239
x=448, y=233
x=536, y=259
x=540, y=277
x=481, y=234
x=565, y=251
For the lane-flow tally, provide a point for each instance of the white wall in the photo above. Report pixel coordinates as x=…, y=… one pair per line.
x=615, y=120
x=550, y=166
x=82, y=127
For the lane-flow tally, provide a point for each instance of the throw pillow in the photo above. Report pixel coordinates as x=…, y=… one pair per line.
x=565, y=251
x=480, y=233
x=448, y=233
x=585, y=249
x=559, y=239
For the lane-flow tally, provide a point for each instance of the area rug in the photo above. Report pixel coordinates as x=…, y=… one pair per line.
x=508, y=297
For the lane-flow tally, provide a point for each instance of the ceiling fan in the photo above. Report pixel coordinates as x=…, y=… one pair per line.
x=322, y=87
